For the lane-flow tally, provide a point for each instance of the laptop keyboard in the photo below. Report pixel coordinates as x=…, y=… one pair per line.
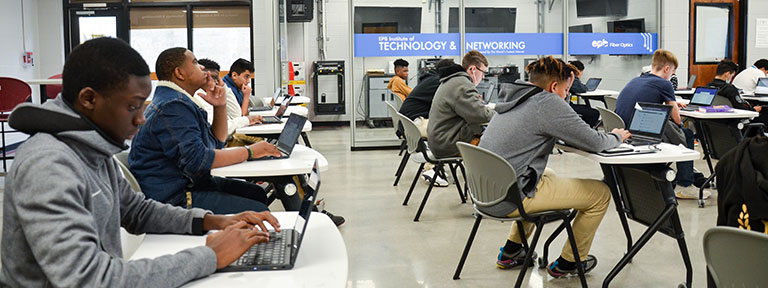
x=271, y=253
x=270, y=119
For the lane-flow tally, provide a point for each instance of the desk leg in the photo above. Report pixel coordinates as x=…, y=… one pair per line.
x=43, y=94
x=704, y=144
x=610, y=179
x=306, y=139
x=680, y=236
x=668, y=211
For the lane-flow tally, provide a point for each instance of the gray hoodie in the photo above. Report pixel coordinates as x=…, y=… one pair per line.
x=457, y=112
x=64, y=203
x=525, y=134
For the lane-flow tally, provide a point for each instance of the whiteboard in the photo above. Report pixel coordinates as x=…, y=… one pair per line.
x=712, y=35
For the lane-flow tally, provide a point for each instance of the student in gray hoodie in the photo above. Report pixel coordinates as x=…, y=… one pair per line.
x=531, y=117
x=458, y=111
x=65, y=198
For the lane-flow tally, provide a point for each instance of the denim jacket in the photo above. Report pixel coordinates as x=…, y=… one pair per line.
x=174, y=150
x=236, y=90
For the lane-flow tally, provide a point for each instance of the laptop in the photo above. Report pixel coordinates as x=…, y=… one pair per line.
x=592, y=84
x=279, y=114
x=703, y=96
x=648, y=122
x=288, y=137
x=691, y=82
x=762, y=87
x=268, y=106
x=282, y=249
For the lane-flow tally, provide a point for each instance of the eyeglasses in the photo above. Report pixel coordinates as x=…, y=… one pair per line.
x=485, y=72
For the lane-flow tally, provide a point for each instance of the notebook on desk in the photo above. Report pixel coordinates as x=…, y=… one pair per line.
x=703, y=96
x=647, y=124
x=279, y=114
x=282, y=249
x=288, y=137
x=592, y=84
x=268, y=106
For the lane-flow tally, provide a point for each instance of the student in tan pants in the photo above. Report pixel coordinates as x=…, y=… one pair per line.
x=530, y=117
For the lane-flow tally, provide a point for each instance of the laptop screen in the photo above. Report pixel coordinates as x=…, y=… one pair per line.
x=704, y=96
x=283, y=107
x=691, y=81
x=290, y=133
x=650, y=120
x=762, y=82
x=592, y=83
x=310, y=194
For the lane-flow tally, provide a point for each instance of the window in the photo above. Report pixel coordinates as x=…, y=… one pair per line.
x=215, y=28
x=156, y=29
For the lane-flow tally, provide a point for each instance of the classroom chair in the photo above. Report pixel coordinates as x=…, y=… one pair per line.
x=610, y=119
x=396, y=124
x=12, y=93
x=122, y=161
x=734, y=257
x=493, y=188
x=610, y=102
x=51, y=91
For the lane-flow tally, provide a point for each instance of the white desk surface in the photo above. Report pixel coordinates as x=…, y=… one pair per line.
x=322, y=259
x=300, y=110
x=755, y=98
x=684, y=92
x=295, y=101
x=43, y=81
x=301, y=161
x=682, y=100
x=669, y=153
x=736, y=114
x=598, y=92
x=261, y=129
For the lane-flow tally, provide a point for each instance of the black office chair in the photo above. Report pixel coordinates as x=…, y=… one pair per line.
x=493, y=187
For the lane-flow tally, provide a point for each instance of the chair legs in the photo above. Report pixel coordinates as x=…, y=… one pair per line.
x=466, y=247
x=413, y=184
x=575, y=250
x=543, y=260
x=456, y=180
x=401, y=168
x=701, y=189
x=528, y=254
x=438, y=169
x=403, y=146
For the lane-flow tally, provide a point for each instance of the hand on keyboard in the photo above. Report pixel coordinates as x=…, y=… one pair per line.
x=229, y=244
x=261, y=149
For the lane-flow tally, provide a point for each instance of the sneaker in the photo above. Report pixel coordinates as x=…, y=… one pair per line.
x=439, y=182
x=338, y=220
x=554, y=270
x=506, y=261
x=699, y=179
x=690, y=192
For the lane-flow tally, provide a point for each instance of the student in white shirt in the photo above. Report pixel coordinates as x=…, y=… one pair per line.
x=747, y=79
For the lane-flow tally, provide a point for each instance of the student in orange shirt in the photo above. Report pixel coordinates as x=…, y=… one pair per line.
x=397, y=84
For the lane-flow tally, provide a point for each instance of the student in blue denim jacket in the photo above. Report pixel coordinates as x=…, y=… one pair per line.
x=174, y=152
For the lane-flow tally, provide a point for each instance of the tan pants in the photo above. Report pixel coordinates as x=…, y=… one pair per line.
x=422, y=123
x=589, y=197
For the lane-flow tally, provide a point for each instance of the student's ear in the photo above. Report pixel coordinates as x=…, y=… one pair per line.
x=178, y=73
x=87, y=98
x=553, y=86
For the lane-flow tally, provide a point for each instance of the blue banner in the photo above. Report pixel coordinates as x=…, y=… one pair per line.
x=515, y=43
x=612, y=43
x=407, y=44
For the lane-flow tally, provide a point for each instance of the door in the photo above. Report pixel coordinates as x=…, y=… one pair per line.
x=88, y=23
x=715, y=33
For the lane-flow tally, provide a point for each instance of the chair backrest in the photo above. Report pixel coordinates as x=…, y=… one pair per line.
x=122, y=161
x=720, y=100
x=491, y=180
x=398, y=102
x=13, y=92
x=721, y=137
x=611, y=120
x=393, y=113
x=610, y=102
x=412, y=134
x=734, y=256
x=53, y=90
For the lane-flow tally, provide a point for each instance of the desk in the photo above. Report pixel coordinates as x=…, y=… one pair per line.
x=300, y=110
x=657, y=211
x=322, y=259
x=272, y=129
x=596, y=95
x=301, y=161
x=295, y=101
x=685, y=93
x=723, y=118
x=753, y=97
x=43, y=83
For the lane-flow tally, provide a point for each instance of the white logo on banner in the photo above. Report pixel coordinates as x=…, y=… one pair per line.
x=599, y=43
x=648, y=41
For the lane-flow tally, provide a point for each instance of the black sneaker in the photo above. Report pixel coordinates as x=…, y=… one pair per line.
x=554, y=270
x=506, y=261
x=338, y=220
x=699, y=180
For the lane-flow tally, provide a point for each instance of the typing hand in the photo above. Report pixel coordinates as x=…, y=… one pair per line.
x=229, y=244
x=623, y=133
x=218, y=222
x=214, y=94
x=681, y=105
x=758, y=108
x=255, y=119
x=262, y=148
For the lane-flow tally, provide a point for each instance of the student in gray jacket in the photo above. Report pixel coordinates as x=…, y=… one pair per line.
x=66, y=199
x=458, y=111
x=531, y=116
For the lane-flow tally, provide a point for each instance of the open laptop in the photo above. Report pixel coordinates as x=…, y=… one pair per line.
x=592, y=83
x=762, y=87
x=288, y=137
x=691, y=82
x=282, y=249
x=268, y=106
x=703, y=96
x=279, y=114
x=648, y=122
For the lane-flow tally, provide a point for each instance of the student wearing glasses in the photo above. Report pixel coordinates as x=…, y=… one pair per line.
x=458, y=112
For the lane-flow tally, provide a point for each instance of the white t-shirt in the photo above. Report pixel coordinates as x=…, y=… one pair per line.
x=747, y=79
x=234, y=120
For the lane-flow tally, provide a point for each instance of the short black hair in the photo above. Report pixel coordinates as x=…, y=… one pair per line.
x=103, y=64
x=726, y=66
x=209, y=64
x=241, y=65
x=578, y=64
x=168, y=61
x=401, y=63
x=762, y=63
x=444, y=63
